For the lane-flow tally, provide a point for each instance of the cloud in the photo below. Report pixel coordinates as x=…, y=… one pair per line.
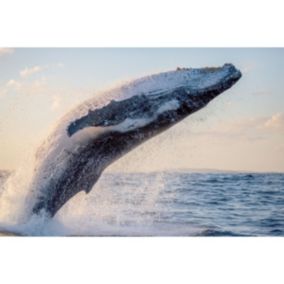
x=29, y=87
x=256, y=124
x=6, y=51
x=56, y=103
x=25, y=88
x=261, y=93
x=28, y=71
x=276, y=121
x=59, y=65
x=13, y=84
x=3, y=92
x=256, y=128
x=247, y=67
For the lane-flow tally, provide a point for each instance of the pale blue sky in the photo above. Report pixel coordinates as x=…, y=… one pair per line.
x=37, y=86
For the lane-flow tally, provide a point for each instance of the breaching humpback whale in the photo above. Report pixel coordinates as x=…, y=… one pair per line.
x=103, y=129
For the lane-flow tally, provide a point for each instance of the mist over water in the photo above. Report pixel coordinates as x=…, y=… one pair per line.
x=165, y=204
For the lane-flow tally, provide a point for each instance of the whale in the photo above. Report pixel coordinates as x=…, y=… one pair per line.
x=106, y=127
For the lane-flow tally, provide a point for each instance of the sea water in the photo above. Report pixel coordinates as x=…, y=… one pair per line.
x=169, y=204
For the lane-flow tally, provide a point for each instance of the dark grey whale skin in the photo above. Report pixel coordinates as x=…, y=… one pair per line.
x=85, y=168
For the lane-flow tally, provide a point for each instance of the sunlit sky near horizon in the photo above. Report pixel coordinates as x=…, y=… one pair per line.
x=243, y=129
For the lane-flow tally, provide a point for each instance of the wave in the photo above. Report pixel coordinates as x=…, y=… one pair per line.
x=166, y=204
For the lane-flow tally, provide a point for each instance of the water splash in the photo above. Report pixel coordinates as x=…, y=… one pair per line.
x=14, y=191
x=116, y=205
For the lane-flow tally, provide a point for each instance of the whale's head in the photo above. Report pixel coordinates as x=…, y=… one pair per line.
x=209, y=79
x=195, y=87
x=163, y=98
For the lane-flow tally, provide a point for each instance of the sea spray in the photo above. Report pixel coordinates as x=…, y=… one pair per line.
x=116, y=204
x=13, y=202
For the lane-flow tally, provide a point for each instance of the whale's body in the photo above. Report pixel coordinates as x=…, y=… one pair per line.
x=103, y=129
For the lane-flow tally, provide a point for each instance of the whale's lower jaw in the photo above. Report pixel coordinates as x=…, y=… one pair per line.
x=85, y=166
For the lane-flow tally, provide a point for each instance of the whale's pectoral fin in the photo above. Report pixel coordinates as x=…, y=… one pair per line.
x=91, y=182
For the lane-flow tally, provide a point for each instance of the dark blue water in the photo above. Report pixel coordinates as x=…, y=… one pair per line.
x=215, y=204
x=174, y=204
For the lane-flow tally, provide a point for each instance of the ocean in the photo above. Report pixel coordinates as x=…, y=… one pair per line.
x=168, y=204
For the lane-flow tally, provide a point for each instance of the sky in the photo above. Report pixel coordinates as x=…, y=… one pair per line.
x=241, y=130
